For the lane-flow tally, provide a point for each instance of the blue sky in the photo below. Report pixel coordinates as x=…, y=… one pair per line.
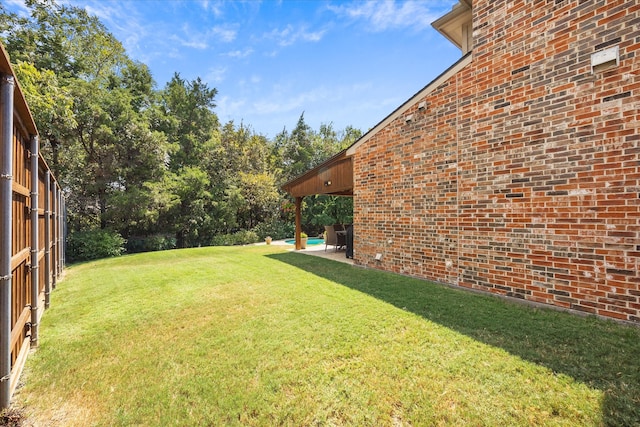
x=345, y=63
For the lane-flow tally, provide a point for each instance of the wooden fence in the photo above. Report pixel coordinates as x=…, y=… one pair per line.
x=31, y=231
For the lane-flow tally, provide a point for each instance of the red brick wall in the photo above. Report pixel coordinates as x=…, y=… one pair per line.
x=522, y=175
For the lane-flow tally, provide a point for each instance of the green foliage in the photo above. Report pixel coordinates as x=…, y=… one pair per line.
x=259, y=198
x=64, y=39
x=148, y=162
x=156, y=242
x=242, y=237
x=51, y=104
x=304, y=148
x=186, y=117
x=321, y=210
x=275, y=228
x=94, y=244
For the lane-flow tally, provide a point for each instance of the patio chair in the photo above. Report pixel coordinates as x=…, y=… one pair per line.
x=330, y=237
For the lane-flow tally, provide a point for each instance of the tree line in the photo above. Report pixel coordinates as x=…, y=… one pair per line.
x=153, y=167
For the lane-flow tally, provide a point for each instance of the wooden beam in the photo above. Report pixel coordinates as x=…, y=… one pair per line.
x=298, y=223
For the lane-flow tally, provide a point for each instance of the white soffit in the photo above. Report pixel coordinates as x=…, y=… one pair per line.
x=450, y=25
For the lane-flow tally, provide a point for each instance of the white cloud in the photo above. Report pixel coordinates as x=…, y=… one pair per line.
x=126, y=22
x=290, y=35
x=213, y=7
x=193, y=42
x=278, y=102
x=387, y=14
x=250, y=84
x=228, y=108
x=191, y=38
x=216, y=74
x=225, y=34
x=239, y=53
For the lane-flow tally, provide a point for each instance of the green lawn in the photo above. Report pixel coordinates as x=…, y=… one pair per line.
x=260, y=336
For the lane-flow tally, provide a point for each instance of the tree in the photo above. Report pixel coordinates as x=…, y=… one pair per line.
x=186, y=117
x=92, y=107
x=63, y=39
x=118, y=154
x=260, y=196
x=190, y=218
x=52, y=107
x=140, y=161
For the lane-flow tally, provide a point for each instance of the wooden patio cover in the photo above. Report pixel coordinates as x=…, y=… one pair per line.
x=334, y=177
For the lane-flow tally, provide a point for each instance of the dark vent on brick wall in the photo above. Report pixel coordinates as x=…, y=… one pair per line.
x=609, y=43
x=521, y=69
x=617, y=96
x=513, y=195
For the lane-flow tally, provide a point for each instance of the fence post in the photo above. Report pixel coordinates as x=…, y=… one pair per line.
x=35, y=285
x=6, y=196
x=60, y=231
x=54, y=233
x=64, y=231
x=47, y=239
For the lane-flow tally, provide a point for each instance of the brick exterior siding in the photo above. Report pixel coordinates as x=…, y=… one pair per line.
x=520, y=176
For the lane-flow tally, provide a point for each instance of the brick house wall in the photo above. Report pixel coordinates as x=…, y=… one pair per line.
x=518, y=171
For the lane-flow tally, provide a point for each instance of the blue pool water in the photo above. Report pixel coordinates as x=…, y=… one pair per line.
x=310, y=241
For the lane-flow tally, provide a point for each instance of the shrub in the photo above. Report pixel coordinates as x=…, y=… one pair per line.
x=94, y=244
x=276, y=229
x=242, y=237
x=155, y=242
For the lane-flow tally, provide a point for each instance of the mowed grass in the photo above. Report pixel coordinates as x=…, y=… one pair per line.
x=260, y=336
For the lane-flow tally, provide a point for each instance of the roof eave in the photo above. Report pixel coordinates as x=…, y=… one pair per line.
x=449, y=25
x=313, y=171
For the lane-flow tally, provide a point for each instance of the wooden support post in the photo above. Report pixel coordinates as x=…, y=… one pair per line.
x=298, y=223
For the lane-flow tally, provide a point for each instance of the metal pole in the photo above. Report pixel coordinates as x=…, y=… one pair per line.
x=64, y=231
x=59, y=232
x=47, y=239
x=54, y=234
x=6, y=195
x=35, y=285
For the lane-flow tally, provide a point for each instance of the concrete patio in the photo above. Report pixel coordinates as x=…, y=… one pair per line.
x=319, y=251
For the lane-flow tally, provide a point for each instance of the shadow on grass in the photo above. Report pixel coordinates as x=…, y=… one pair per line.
x=603, y=354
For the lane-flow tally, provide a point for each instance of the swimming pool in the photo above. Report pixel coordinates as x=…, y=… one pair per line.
x=310, y=241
